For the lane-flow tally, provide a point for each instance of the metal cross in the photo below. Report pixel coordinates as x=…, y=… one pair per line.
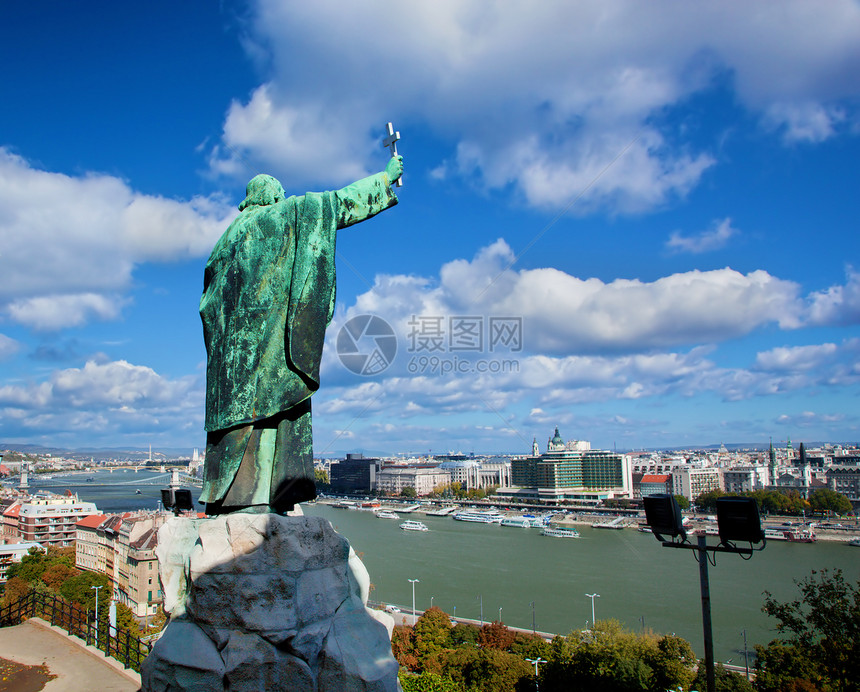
x=390, y=141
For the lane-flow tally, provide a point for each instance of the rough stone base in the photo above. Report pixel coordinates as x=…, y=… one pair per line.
x=266, y=602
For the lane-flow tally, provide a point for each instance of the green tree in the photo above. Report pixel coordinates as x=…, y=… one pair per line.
x=427, y=682
x=483, y=670
x=31, y=567
x=430, y=634
x=321, y=478
x=707, y=502
x=683, y=502
x=409, y=491
x=827, y=500
x=822, y=636
x=78, y=589
x=465, y=633
x=54, y=576
x=673, y=663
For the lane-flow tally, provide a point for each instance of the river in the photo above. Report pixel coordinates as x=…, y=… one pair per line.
x=461, y=566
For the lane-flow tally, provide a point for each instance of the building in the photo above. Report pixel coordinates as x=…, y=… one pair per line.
x=12, y=553
x=50, y=519
x=654, y=484
x=569, y=471
x=122, y=546
x=745, y=479
x=424, y=479
x=845, y=479
x=355, y=474
x=692, y=481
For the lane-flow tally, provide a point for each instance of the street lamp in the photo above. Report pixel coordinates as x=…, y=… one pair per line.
x=737, y=520
x=481, y=599
x=97, y=613
x=431, y=601
x=592, y=596
x=534, y=628
x=413, y=582
x=500, y=614
x=536, y=662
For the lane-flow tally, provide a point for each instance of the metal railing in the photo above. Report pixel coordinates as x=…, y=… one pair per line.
x=116, y=643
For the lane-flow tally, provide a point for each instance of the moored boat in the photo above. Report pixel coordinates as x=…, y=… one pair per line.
x=479, y=517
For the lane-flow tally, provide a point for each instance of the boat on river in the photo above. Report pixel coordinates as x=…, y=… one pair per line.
x=413, y=526
x=523, y=522
x=386, y=514
x=559, y=532
x=480, y=517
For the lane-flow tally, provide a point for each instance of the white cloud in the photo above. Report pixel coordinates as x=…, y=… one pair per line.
x=538, y=97
x=705, y=241
x=8, y=347
x=837, y=305
x=107, y=398
x=69, y=244
x=563, y=314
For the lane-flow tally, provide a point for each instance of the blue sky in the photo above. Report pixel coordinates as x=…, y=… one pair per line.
x=659, y=200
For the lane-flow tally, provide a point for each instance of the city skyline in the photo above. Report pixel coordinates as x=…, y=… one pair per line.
x=637, y=223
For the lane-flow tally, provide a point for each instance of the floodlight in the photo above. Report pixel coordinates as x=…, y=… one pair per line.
x=663, y=516
x=167, y=498
x=182, y=500
x=738, y=520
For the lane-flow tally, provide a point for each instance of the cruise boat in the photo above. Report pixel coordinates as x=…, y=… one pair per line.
x=522, y=522
x=413, y=526
x=617, y=523
x=855, y=542
x=479, y=517
x=557, y=532
x=386, y=514
x=800, y=536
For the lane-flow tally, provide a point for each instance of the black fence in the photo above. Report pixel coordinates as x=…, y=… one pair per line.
x=119, y=644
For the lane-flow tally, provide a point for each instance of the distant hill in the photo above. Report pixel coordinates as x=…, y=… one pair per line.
x=100, y=453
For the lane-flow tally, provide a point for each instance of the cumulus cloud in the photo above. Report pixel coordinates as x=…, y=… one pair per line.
x=563, y=314
x=837, y=305
x=102, y=398
x=70, y=244
x=706, y=241
x=541, y=97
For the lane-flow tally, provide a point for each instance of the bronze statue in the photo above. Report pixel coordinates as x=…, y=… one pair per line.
x=268, y=295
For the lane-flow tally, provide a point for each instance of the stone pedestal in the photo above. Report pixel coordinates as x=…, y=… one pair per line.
x=266, y=602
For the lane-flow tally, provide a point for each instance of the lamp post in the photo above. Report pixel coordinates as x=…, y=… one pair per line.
x=738, y=520
x=536, y=662
x=534, y=628
x=413, y=582
x=746, y=656
x=97, y=613
x=481, y=599
x=431, y=601
x=592, y=596
x=500, y=614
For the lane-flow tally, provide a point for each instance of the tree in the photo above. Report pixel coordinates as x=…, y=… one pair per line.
x=430, y=634
x=16, y=589
x=673, y=663
x=495, y=635
x=54, y=576
x=78, y=589
x=483, y=670
x=427, y=682
x=31, y=567
x=409, y=491
x=822, y=645
x=827, y=500
x=402, y=647
x=321, y=478
x=707, y=502
x=683, y=502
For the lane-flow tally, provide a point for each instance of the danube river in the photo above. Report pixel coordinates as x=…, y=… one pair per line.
x=461, y=565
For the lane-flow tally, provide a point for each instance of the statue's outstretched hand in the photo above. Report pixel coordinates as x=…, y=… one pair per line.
x=394, y=168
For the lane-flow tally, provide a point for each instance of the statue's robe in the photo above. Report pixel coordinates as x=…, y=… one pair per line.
x=268, y=296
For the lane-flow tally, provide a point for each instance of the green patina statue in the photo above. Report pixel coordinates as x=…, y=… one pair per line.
x=268, y=296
